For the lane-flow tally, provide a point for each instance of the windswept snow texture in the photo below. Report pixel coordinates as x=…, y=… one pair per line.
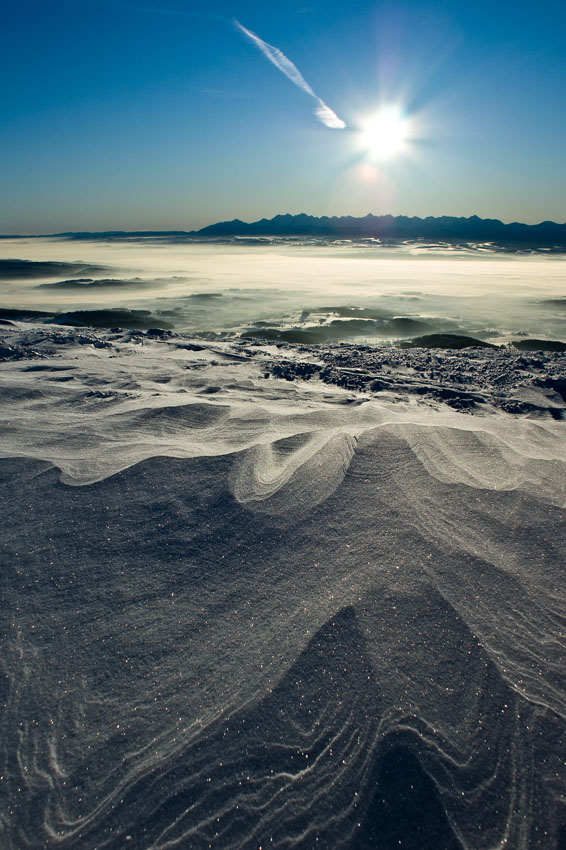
x=265, y=595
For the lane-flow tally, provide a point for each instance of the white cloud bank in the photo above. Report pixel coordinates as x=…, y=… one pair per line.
x=323, y=112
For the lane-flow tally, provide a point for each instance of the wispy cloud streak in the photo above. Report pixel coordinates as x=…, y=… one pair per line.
x=323, y=112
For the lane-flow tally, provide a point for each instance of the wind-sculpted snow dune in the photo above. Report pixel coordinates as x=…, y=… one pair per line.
x=275, y=596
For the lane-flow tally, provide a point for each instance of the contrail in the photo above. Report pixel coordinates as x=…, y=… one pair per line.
x=323, y=112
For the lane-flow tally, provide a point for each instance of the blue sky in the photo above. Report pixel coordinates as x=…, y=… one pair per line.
x=158, y=115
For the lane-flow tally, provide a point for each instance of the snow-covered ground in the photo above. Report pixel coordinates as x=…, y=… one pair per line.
x=268, y=595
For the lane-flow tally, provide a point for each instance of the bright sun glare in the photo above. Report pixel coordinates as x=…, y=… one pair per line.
x=386, y=133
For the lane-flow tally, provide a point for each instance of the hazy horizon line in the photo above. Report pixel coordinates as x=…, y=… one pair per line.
x=138, y=230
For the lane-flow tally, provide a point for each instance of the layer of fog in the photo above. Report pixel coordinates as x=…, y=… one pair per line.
x=230, y=288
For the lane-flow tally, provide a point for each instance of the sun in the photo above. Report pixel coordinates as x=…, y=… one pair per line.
x=386, y=133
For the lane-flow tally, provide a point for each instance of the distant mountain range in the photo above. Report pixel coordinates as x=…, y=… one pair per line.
x=395, y=228
x=388, y=228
